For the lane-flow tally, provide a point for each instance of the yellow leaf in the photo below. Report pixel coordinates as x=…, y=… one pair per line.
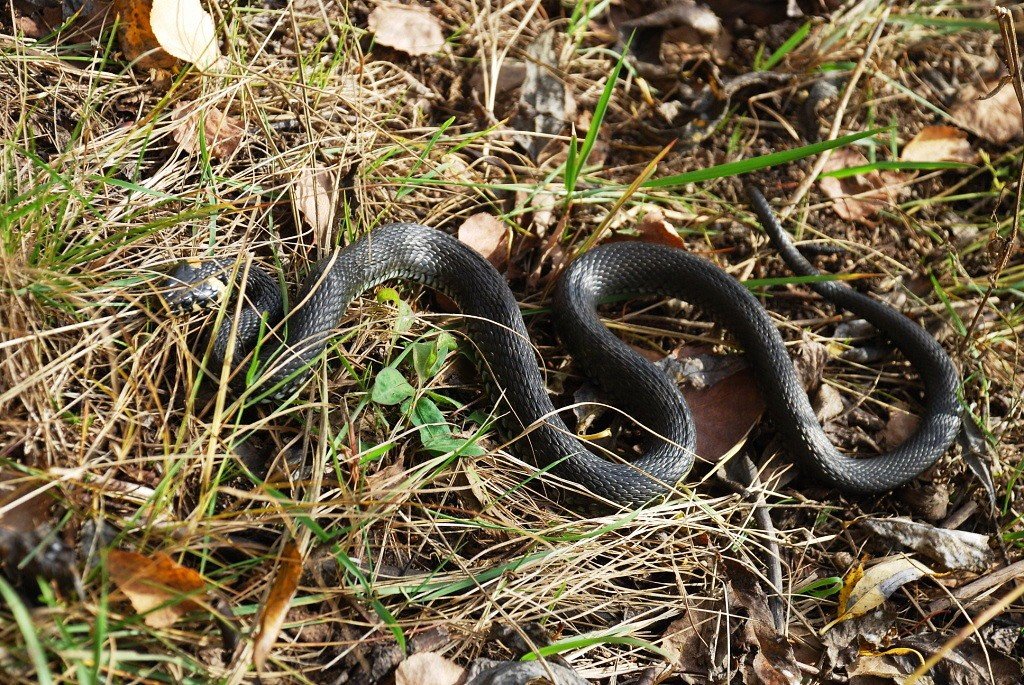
x=157, y=586
x=876, y=585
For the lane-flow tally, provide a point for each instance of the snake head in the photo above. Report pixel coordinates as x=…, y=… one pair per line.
x=196, y=285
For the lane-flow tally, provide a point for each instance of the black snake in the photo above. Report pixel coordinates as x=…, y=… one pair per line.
x=285, y=347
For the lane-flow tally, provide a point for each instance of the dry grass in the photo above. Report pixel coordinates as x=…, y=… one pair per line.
x=100, y=397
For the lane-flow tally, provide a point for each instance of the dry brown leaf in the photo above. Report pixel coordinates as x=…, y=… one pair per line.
x=157, y=581
x=996, y=119
x=723, y=397
x=135, y=35
x=939, y=144
x=184, y=29
x=488, y=236
x=413, y=30
x=900, y=426
x=313, y=195
x=276, y=607
x=24, y=501
x=428, y=668
x=224, y=132
x=864, y=592
x=872, y=188
x=653, y=228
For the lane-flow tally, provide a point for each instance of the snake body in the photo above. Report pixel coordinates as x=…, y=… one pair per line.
x=286, y=345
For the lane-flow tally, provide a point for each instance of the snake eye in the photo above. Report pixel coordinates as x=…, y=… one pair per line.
x=195, y=286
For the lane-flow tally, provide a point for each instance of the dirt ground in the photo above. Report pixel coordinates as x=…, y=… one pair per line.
x=375, y=525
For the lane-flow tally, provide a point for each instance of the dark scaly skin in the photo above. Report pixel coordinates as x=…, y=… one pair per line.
x=495, y=327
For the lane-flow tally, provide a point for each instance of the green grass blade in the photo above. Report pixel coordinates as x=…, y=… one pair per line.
x=791, y=43
x=753, y=164
x=28, y=630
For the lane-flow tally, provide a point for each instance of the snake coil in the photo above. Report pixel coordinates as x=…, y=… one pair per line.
x=286, y=345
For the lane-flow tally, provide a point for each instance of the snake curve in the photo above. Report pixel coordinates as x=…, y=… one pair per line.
x=634, y=385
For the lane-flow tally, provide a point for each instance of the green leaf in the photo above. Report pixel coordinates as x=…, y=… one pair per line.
x=405, y=318
x=436, y=434
x=428, y=357
x=390, y=387
x=28, y=630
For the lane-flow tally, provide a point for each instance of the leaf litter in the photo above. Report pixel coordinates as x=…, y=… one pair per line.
x=406, y=546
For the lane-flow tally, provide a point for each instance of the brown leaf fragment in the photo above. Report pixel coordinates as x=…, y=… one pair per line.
x=997, y=119
x=24, y=502
x=687, y=641
x=671, y=36
x=157, y=586
x=873, y=190
x=412, y=30
x=428, y=668
x=488, y=236
x=314, y=197
x=774, y=662
x=275, y=609
x=900, y=426
x=723, y=398
x=653, y=228
x=223, y=133
x=954, y=549
x=135, y=36
x=939, y=144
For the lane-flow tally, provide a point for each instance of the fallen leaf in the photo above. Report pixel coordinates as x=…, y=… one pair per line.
x=686, y=639
x=727, y=407
x=156, y=581
x=184, y=29
x=953, y=549
x=676, y=34
x=545, y=101
x=135, y=36
x=488, y=236
x=428, y=668
x=653, y=228
x=939, y=144
x=223, y=133
x=313, y=195
x=900, y=426
x=862, y=593
x=276, y=607
x=997, y=119
x=24, y=501
x=412, y=30
x=872, y=188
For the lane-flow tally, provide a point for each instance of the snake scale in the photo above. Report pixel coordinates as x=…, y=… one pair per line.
x=286, y=345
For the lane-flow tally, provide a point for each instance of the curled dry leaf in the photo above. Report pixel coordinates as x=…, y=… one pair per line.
x=313, y=196
x=488, y=236
x=873, y=189
x=864, y=591
x=412, y=30
x=223, y=132
x=184, y=29
x=156, y=581
x=276, y=608
x=428, y=668
x=135, y=36
x=953, y=549
x=939, y=144
x=997, y=119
